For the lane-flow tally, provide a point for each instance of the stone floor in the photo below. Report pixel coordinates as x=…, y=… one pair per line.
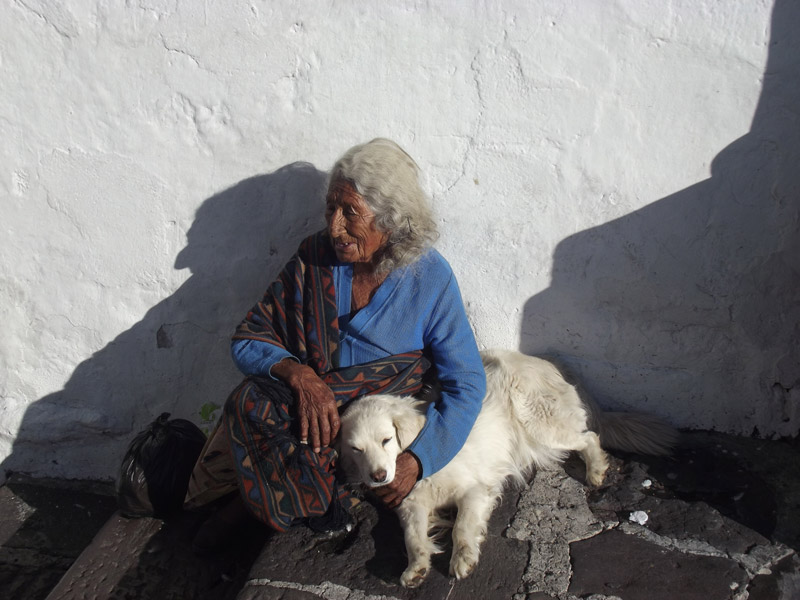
x=44, y=526
x=717, y=521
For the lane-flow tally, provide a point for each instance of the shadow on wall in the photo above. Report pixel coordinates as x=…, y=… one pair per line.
x=690, y=307
x=177, y=357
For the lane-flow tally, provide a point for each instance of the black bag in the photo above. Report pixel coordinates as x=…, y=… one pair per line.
x=156, y=469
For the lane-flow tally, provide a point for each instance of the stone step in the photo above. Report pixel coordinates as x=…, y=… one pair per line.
x=44, y=526
x=152, y=558
x=717, y=521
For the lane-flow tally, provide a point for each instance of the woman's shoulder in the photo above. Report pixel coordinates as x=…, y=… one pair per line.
x=429, y=275
x=432, y=263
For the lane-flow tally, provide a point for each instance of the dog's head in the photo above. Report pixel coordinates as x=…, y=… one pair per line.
x=375, y=430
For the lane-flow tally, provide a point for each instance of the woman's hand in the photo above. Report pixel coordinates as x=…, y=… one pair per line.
x=316, y=405
x=405, y=477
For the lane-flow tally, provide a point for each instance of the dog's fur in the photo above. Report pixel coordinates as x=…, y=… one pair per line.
x=531, y=417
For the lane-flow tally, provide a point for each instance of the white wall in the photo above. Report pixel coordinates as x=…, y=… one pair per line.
x=616, y=184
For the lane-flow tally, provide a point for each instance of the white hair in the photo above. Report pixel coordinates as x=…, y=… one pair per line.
x=388, y=180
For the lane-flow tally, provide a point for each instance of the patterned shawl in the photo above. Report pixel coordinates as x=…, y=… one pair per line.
x=299, y=314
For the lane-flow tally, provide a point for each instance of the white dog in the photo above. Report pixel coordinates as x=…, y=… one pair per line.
x=531, y=417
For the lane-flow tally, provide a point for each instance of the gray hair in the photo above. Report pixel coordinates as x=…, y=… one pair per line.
x=388, y=180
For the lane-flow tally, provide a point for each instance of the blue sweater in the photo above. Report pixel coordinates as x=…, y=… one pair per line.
x=416, y=307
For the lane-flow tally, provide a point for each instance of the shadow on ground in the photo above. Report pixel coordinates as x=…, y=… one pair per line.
x=44, y=526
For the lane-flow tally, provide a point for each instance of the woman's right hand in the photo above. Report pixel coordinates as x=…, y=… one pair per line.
x=316, y=405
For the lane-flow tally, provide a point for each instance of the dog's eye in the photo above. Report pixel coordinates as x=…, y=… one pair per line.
x=356, y=450
x=386, y=441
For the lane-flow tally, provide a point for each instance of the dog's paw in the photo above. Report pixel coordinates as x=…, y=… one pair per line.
x=414, y=575
x=596, y=477
x=463, y=562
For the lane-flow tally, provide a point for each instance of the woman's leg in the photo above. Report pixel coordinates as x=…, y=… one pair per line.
x=280, y=479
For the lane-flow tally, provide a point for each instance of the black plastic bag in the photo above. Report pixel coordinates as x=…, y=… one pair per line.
x=156, y=469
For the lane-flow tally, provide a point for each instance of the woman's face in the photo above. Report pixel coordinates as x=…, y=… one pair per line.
x=351, y=224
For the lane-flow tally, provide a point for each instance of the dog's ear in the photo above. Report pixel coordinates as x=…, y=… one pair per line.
x=407, y=425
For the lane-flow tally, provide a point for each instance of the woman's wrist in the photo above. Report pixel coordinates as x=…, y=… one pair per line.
x=415, y=461
x=287, y=369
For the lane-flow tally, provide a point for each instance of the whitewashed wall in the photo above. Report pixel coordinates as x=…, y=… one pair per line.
x=616, y=183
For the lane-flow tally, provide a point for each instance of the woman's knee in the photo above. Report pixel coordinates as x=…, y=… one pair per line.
x=237, y=401
x=259, y=398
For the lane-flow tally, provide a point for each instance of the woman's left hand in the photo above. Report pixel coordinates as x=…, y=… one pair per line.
x=405, y=477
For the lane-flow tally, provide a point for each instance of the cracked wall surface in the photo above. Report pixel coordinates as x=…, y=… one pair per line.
x=615, y=183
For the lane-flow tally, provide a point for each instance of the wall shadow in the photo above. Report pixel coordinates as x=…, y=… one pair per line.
x=177, y=357
x=689, y=307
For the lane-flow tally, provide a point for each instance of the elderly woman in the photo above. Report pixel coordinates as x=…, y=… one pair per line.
x=365, y=306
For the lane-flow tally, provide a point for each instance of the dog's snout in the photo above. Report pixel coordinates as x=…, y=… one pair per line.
x=378, y=476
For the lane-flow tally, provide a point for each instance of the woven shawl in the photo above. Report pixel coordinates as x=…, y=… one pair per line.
x=299, y=314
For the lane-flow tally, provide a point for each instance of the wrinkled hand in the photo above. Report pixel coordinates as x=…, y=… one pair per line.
x=316, y=405
x=405, y=477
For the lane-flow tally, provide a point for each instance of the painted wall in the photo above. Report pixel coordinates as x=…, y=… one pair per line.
x=616, y=184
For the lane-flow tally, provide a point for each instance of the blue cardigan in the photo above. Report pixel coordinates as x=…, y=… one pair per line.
x=416, y=307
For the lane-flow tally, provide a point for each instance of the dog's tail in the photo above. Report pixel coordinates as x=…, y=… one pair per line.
x=640, y=433
x=635, y=432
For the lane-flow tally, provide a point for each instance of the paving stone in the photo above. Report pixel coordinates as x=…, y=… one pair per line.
x=782, y=582
x=719, y=471
x=256, y=591
x=673, y=518
x=550, y=541
x=698, y=521
x=614, y=563
x=777, y=464
x=370, y=560
x=752, y=488
x=552, y=512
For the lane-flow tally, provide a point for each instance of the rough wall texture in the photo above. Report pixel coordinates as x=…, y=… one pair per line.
x=616, y=183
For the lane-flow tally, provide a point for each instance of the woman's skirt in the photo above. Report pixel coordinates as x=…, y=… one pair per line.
x=255, y=449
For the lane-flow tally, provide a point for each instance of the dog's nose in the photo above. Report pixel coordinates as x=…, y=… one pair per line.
x=378, y=476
